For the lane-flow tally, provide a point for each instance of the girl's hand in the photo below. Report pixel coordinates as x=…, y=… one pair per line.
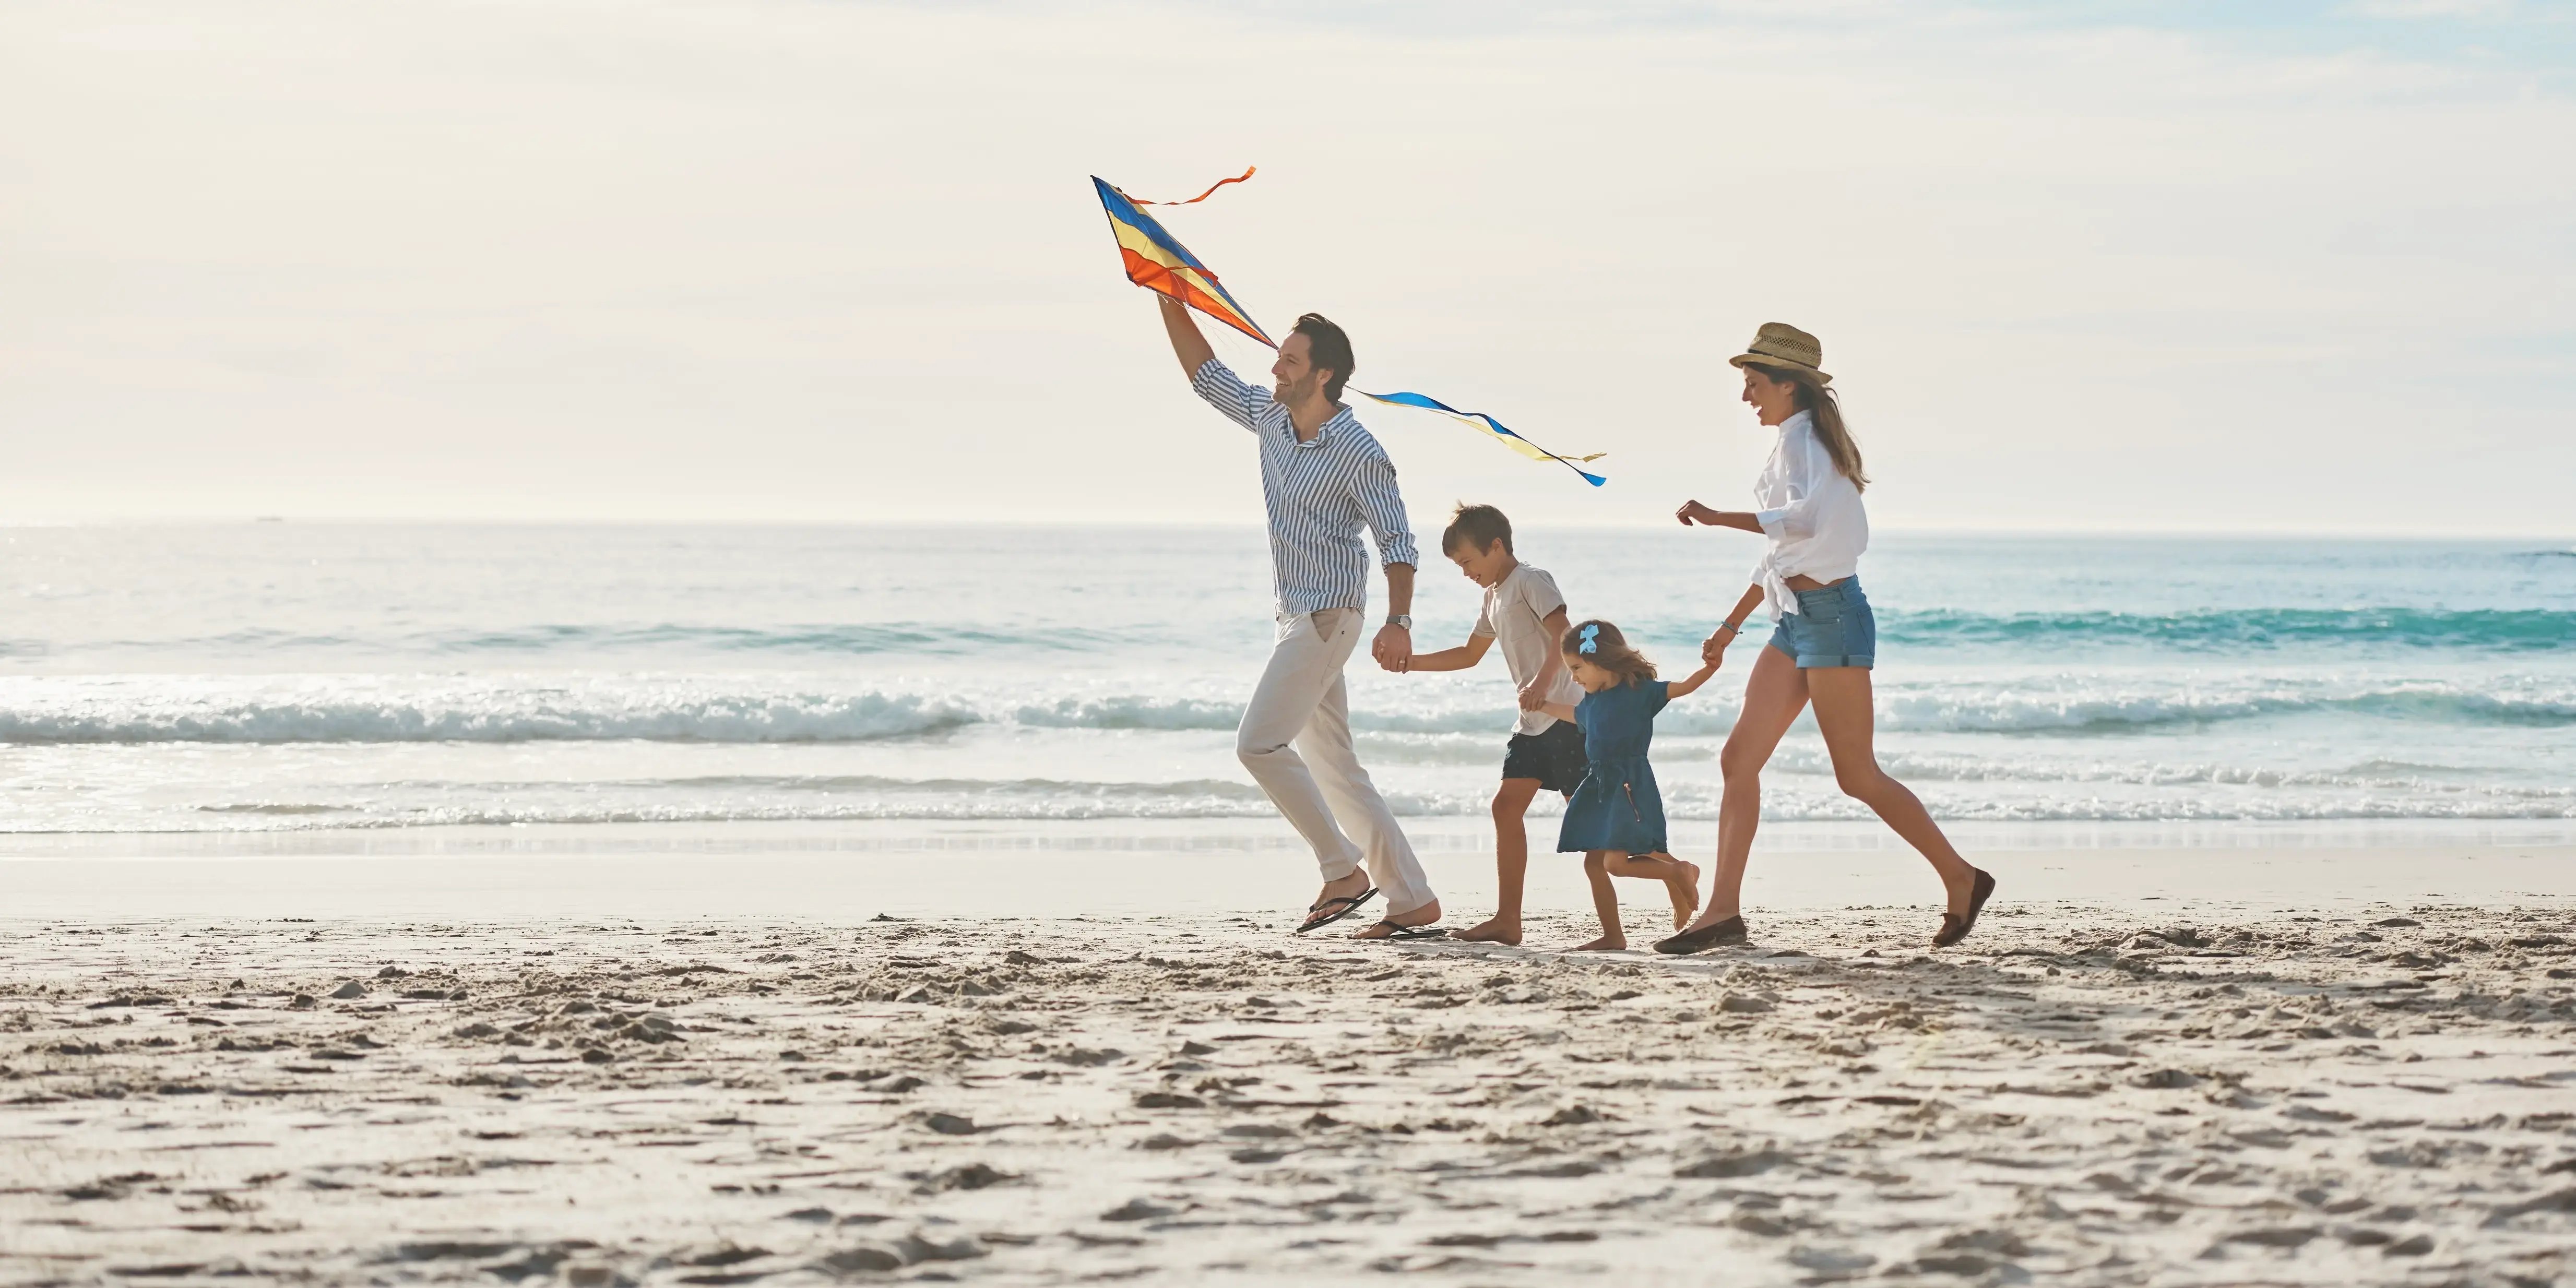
x=1686, y=687
x=1693, y=511
x=1531, y=698
x=1713, y=649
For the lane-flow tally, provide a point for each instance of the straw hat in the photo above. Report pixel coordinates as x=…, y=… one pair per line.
x=1779, y=344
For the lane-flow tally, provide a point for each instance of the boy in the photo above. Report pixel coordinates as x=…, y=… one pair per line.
x=1524, y=611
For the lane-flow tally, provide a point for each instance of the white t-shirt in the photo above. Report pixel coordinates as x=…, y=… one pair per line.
x=1515, y=614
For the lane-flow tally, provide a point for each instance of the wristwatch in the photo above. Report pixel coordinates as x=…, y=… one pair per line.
x=1404, y=620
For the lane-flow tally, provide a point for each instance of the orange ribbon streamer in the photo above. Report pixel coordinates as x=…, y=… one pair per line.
x=1211, y=191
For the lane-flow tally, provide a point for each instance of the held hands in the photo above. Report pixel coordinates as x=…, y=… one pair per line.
x=1693, y=512
x=1713, y=649
x=1393, y=648
x=1532, y=698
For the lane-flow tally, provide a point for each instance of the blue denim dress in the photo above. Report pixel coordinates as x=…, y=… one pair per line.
x=1617, y=806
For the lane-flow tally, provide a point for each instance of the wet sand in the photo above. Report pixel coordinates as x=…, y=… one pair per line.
x=2084, y=1093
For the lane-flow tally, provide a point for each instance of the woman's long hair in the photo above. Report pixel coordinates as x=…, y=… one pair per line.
x=1826, y=409
x=1601, y=644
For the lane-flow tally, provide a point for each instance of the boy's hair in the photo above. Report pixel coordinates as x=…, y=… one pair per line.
x=1478, y=527
x=1327, y=347
x=1608, y=649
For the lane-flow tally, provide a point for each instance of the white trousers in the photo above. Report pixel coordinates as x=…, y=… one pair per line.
x=1296, y=740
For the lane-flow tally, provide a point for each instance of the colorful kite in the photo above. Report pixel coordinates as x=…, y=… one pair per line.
x=1158, y=261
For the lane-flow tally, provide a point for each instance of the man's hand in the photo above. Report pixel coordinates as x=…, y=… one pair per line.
x=1693, y=512
x=1393, y=648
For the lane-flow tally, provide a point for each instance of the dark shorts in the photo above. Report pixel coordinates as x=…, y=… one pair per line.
x=1553, y=757
x=1832, y=627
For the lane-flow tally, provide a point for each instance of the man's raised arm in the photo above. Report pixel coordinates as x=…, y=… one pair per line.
x=1241, y=403
x=1187, y=344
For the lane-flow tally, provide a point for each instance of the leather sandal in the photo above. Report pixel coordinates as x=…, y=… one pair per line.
x=1713, y=935
x=1953, y=928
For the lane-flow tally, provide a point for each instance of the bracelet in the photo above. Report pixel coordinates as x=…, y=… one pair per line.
x=1730, y=628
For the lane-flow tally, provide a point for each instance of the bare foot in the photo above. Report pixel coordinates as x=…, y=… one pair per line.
x=1494, y=931
x=1423, y=916
x=1605, y=944
x=1685, y=892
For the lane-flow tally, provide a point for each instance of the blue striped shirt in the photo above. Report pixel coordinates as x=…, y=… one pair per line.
x=1320, y=493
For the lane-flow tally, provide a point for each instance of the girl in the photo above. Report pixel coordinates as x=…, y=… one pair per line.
x=1616, y=817
x=1821, y=651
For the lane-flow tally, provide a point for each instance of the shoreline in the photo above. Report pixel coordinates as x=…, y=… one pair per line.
x=844, y=872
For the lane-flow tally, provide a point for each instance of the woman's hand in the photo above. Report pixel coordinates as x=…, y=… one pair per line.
x=1713, y=649
x=1693, y=512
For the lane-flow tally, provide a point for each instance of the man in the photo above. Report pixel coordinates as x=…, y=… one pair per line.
x=1322, y=478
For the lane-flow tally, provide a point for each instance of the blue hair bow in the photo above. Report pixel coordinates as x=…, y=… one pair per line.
x=1591, y=638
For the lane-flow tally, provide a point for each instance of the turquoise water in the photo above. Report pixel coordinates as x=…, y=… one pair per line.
x=285, y=676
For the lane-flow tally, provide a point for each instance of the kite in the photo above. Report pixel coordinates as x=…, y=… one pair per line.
x=1157, y=261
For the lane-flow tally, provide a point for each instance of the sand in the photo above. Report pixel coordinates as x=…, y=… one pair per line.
x=2084, y=1093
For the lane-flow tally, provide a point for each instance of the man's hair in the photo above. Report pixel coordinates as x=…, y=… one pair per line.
x=1326, y=347
x=1476, y=526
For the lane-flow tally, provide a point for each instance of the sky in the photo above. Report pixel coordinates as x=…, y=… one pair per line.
x=2303, y=267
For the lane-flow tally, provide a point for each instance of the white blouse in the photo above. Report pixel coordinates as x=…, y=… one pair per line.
x=1811, y=512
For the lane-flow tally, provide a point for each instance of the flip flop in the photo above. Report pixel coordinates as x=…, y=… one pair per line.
x=1954, y=929
x=1341, y=906
x=1394, y=931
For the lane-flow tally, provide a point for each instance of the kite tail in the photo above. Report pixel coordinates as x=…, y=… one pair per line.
x=1504, y=433
x=1211, y=190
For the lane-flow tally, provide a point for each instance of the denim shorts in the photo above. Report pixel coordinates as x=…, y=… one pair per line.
x=1832, y=627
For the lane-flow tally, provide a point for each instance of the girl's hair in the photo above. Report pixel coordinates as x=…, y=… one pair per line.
x=1826, y=408
x=1607, y=649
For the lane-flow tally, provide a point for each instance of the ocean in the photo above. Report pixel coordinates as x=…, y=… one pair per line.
x=286, y=677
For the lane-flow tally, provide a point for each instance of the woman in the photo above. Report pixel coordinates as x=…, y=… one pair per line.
x=1824, y=643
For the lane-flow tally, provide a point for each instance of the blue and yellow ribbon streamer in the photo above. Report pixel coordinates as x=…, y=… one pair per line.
x=1500, y=431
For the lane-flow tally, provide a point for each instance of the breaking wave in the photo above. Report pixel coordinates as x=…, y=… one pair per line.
x=360, y=709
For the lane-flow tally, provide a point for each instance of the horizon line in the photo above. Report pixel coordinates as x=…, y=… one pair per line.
x=1906, y=530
